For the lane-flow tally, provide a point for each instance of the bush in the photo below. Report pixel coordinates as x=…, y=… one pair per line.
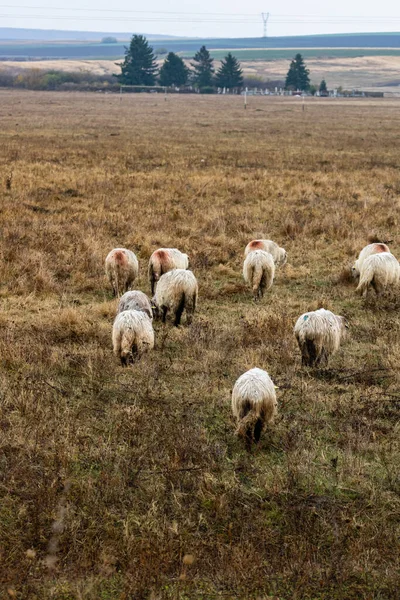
x=208, y=89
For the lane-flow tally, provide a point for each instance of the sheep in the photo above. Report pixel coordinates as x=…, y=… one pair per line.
x=258, y=272
x=278, y=254
x=367, y=251
x=164, y=260
x=176, y=290
x=319, y=334
x=378, y=271
x=135, y=300
x=132, y=334
x=254, y=404
x=122, y=268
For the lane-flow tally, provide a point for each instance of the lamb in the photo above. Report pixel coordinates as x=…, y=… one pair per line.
x=135, y=300
x=278, y=254
x=176, y=291
x=164, y=260
x=319, y=334
x=254, y=404
x=132, y=334
x=367, y=251
x=122, y=268
x=258, y=272
x=378, y=271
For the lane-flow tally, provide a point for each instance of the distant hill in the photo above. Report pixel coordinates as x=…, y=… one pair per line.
x=84, y=48
x=55, y=35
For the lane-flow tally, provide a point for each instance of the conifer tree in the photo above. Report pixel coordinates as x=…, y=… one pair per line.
x=174, y=71
x=297, y=77
x=229, y=74
x=322, y=86
x=139, y=66
x=203, y=68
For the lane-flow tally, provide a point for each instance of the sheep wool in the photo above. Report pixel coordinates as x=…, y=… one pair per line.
x=258, y=272
x=254, y=404
x=380, y=272
x=278, y=254
x=122, y=268
x=132, y=335
x=367, y=251
x=135, y=300
x=164, y=260
x=176, y=291
x=319, y=334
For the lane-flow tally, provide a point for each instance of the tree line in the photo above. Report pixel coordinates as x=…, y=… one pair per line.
x=140, y=68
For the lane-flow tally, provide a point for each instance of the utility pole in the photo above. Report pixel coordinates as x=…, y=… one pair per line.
x=265, y=17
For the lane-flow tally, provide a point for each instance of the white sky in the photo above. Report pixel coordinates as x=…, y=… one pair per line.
x=236, y=19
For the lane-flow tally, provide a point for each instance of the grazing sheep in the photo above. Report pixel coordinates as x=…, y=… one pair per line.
x=254, y=404
x=319, y=334
x=132, y=334
x=378, y=271
x=258, y=272
x=122, y=268
x=135, y=300
x=176, y=291
x=367, y=251
x=278, y=254
x=164, y=260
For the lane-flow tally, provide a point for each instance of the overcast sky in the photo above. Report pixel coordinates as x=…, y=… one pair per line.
x=176, y=17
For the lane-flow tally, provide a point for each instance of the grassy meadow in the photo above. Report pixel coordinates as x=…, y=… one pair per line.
x=130, y=483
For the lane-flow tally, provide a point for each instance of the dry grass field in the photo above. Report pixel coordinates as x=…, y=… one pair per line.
x=130, y=483
x=364, y=72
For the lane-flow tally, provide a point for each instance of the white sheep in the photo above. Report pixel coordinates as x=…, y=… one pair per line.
x=176, y=291
x=122, y=268
x=278, y=254
x=378, y=271
x=132, y=334
x=376, y=248
x=164, y=260
x=254, y=404
x=258, y=272
x=135, y=300
x=319, y=334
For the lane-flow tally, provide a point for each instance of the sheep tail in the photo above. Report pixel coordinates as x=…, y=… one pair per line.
x=256, y=279
x=180, y=309
x=250, y=428
x=366, y=278
x=310, y=357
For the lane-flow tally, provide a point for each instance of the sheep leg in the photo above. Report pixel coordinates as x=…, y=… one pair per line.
x=164, y=314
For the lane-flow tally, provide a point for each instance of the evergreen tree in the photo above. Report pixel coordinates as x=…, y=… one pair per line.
x=297, y=77
x=203, y=68
x=229, y=74
x=139, y=66
x=174, y=71
x=322, y=86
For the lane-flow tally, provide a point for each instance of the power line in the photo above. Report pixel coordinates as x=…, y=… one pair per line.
x=276, y=17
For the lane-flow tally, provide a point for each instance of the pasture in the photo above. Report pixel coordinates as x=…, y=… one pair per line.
x=130, y=483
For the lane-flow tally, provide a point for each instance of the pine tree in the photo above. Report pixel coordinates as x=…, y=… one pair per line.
x=229, y=74
x=174, y=71
x=322, y=86
x=203, y=68
x=297, y=77
x=139, y=66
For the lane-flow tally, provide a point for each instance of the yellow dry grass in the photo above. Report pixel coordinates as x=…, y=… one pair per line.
x=363, y=72
x=130, y=483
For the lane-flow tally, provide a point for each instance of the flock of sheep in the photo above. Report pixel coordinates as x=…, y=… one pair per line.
x=174, y=288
